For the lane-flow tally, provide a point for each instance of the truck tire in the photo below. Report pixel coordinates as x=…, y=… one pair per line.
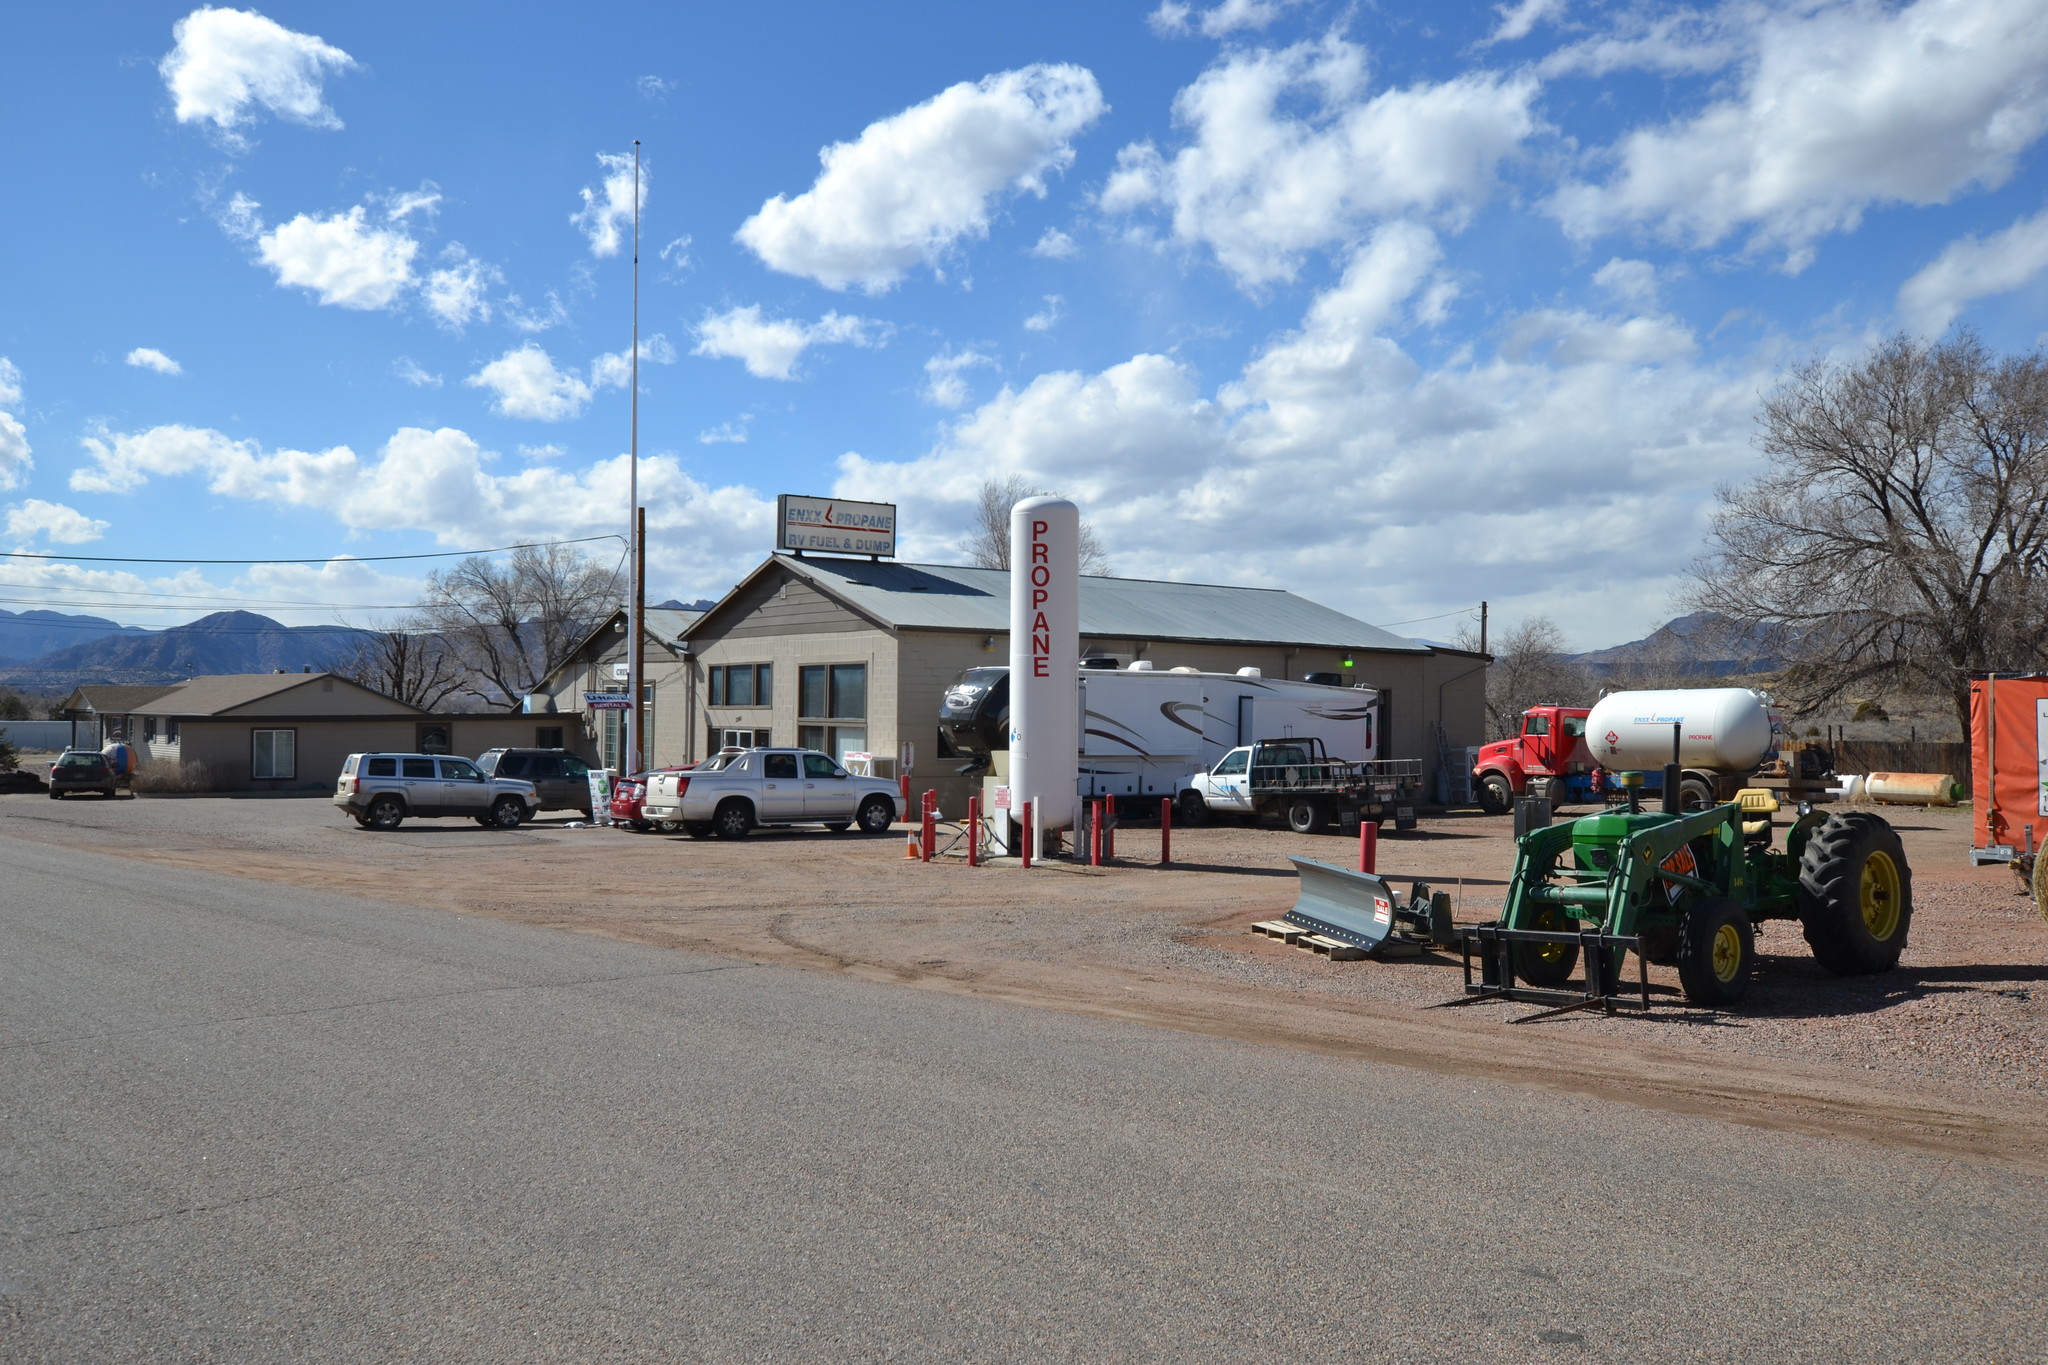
x=1307, y=817
x=1716, y=952
x=734, y=819
x=1695, y=793
x=1855, y=894
x=1190, y=809
x=1496, y=794
x=875, y=815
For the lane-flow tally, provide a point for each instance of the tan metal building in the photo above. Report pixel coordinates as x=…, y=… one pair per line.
x=854, y=655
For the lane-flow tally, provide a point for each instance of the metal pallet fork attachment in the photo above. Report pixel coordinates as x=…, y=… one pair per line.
x=1360, y=909
x=1602, y=954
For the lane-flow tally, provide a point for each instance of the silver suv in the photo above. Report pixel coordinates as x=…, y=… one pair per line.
x=381, y=790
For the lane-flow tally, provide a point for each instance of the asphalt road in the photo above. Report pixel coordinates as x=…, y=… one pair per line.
x=239, y=1122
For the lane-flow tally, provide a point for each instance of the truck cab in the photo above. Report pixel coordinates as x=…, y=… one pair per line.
x=1548, y=757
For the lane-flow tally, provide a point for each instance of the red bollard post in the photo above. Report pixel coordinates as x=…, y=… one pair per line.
x=973, y=831
x=930, y=824
x=1095, y=834
x=1165, y=831
x=903, y=780
x=1109, y=833
x=1024, y=847
x=1368, y=845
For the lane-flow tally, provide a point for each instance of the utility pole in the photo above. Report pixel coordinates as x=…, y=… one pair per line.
x=1482, y=627
x=636, y=747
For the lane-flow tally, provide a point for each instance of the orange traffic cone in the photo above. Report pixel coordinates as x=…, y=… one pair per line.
x=910, y=848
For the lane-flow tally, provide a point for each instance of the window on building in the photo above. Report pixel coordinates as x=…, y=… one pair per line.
x=273, y=753
x=171, y=731
x=832, y=708
x=435, y=739
x=547, y=737
x=740, y=739
x=743, y=685
x=149, y=729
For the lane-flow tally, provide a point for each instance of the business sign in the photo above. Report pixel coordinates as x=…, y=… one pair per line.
x=835, y=527
x=608, y=701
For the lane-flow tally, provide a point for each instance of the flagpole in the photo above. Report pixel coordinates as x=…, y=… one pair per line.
x=636, y=747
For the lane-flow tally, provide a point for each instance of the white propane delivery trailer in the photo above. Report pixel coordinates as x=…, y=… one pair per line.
x=1148, y=733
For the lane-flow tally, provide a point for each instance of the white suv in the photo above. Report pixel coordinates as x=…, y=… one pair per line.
x=381, y=790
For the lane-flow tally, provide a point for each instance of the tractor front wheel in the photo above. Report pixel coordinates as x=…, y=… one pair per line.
x=1496, y=794
x=1855, y=894
x=1716, y=952
x=1547, y=965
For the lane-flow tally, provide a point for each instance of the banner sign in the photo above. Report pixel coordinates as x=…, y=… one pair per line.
x=833, y=526
x=608, y=701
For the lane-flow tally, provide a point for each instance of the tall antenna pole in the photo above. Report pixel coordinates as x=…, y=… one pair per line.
x=635, y=521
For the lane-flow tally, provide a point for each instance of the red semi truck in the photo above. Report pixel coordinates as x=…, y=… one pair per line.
x=1548, y=758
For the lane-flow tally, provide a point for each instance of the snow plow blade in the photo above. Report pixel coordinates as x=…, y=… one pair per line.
x=1362, y=910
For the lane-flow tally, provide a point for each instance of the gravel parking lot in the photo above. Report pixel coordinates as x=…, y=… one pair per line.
x=1948, y=1053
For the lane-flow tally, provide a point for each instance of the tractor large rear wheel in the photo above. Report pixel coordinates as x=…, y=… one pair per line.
x=1547, y=965
x=2041, y=885
x=1716, y=952
x=1855, y=894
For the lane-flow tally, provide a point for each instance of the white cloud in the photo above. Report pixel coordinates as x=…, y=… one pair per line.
x=442, y=482
x=532, y=320
x=402, y=204
x=1260, y=184
x=458, y=293
x=944, y=384
x=228, y=60
x=733, y=433
x=408, y=369
x=1629, y=281
x=1970, y=269
x=54, y=522
x=770, y=347
x=615, y=369
x=654, y=88
x=239, y=219
x=606, y=217
x=1048, y=317
x=150, y=358
x=550, y=451
x=676, y=256
x=1841, y=107
x=913, y=184
x=526, y=384
x=1685, y=41
x=15, y=456
x=1173, y=17
x=1518, y=21
x=348, y=263
x=1609, y=423
x=1055, y=245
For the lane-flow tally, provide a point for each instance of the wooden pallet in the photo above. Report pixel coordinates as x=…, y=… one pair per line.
x=1280, y=929
x=1335, y=949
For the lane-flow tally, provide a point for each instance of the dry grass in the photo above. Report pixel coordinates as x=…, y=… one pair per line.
x=161, y=776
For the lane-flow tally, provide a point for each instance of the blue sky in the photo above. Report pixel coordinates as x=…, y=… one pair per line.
x=1400, y=307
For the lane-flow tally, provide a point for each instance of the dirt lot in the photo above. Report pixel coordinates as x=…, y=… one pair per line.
x=1949, y=1053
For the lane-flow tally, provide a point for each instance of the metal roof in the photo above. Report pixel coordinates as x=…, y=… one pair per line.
x=217, y=693
x=669, y=624
x=953, y=597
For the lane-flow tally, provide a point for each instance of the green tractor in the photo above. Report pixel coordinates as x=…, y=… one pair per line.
x=1685, y=889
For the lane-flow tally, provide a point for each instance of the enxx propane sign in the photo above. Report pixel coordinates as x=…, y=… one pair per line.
x=833, y=526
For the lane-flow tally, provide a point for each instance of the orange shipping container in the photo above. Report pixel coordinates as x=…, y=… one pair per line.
x=2009, y=761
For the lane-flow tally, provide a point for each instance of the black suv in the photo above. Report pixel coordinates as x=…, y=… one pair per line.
x=561, y=779
x=81, y=770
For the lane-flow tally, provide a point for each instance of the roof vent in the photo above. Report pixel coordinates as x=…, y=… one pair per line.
x=1251, y=673
x=1141, y=666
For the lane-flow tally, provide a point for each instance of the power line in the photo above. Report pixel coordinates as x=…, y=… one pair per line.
x=1418, y=620
x=328, y=559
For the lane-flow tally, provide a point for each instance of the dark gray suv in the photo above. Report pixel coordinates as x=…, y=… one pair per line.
x=561, y=779
x=381, y=790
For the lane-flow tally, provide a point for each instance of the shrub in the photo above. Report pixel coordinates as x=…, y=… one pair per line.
x=160, y=775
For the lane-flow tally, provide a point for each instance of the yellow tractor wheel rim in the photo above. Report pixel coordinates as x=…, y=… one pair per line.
x=1878, y=894
x=1727, y=952
x=1550, y=952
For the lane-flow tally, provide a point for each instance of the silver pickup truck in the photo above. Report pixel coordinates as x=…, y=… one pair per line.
x=769, y=787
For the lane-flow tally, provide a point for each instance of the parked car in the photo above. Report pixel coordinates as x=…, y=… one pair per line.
x=561, y=779
x=81, y=770
x=770, y=787
x=630, y=793
x=382, y=790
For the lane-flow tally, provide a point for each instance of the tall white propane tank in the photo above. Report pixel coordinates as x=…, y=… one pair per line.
x=1722, y=729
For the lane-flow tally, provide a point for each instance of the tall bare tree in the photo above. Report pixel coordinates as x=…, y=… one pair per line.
x=1529, y=666
x=1899, y=538
x=508, y=621
x=989, y=543
x=407, y=660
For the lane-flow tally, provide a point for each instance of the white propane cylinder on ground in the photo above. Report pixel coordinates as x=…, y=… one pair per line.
x=1045, y=659
x=1722, y=729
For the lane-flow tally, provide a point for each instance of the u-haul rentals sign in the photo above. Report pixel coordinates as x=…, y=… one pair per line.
x=833, y=526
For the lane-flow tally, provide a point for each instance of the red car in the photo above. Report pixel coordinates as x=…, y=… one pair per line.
x=627, y=795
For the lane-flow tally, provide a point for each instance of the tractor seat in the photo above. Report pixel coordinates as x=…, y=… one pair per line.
x=1757, y=801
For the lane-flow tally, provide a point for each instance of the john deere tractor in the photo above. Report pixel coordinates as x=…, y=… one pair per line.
x=1686, y=888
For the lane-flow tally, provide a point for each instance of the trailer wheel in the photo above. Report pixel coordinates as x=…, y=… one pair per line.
x=1190, y=809
x=1307, y=817
x=1546, y=965
x=1716, y=952
x=1855, y=894
x=1496, y=794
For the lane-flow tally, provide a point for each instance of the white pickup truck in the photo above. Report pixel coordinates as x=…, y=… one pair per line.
x=768, y=787
x=1296, y=780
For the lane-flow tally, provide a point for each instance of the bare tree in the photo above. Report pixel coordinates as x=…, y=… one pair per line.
x=1900, y=537
x=409, y=661
x=1529, y=666
x=509, y=621
x=989, y=543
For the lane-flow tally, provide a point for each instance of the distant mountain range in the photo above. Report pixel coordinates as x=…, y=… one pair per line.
x=1701, y=644
x=225, y=642
x=24, y=635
